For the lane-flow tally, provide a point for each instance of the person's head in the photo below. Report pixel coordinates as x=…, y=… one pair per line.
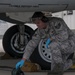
x=39, y=19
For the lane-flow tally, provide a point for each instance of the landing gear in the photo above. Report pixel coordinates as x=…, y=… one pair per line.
x=14, y=43
x=42, y=56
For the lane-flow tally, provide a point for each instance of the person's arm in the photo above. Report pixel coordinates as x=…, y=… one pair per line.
x=31, y=45
x=29, y=49
x=58, y=32
x=60, y=28
x=63, y=35
x=68, y=45
x=66, y=37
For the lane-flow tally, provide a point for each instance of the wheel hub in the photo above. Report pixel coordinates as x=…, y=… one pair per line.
x=44, y=52
x=15, y=43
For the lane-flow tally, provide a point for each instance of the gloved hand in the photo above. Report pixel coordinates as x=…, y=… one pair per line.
x=20, y=64
x=48, y=42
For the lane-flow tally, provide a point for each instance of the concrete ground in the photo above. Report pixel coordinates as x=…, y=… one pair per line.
x=32, y=73
x=7, y=65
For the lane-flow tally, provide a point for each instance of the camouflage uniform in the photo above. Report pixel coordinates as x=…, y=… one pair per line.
x=61, y=46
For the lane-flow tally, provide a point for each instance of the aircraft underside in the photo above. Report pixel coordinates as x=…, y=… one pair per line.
x=19, y=12
x=16, y=38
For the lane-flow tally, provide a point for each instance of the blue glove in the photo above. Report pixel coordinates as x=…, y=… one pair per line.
x=48, y=42
x=20, y=64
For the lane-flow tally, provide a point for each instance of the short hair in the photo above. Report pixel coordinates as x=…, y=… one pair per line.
x=38, y=14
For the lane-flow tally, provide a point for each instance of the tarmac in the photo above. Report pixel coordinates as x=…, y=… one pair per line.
x=8, y=63
x=8, y=71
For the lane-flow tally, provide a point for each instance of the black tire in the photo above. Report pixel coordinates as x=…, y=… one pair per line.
x=40, y=56
x=9, y=40
x=41, y=60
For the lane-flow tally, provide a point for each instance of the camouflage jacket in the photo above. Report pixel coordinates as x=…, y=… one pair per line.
x=61, y=46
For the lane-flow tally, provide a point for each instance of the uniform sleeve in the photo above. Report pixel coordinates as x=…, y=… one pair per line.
x=31, y=45
x=61, y=30
x=64, y=35
x=67, y=38
x=68, y=46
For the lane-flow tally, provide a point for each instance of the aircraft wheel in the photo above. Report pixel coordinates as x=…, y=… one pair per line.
x=11, y=40
x=42, y=56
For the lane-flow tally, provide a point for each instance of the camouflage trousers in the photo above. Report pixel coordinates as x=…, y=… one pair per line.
x=57, y=70
x=59, y=57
